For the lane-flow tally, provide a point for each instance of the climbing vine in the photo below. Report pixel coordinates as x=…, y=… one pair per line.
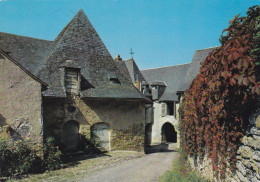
x=216, y=106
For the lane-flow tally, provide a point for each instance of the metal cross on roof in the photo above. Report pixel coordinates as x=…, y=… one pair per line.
x=131, y=52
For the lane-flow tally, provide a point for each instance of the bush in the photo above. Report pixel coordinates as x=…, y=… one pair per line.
x=16, y=157
x=22, y=157
x=52, y=155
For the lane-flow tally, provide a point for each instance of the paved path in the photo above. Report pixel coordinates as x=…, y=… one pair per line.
x=145, y=169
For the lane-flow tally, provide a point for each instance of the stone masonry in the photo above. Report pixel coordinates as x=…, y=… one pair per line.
x=248, y=155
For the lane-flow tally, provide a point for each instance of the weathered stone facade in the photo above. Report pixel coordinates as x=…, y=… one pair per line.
x=120, y=116
x=70, y=89
x=20, y=103
x=248, y=155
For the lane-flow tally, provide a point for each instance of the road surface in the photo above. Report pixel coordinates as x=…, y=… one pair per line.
x=145, y=169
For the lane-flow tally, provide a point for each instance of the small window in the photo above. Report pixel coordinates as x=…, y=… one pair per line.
x=147, y=90
x=164, y=109
x=112, y=77
x=71, y=109
x=170, y=108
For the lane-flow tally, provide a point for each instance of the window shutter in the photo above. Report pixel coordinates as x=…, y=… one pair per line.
x=164, y=109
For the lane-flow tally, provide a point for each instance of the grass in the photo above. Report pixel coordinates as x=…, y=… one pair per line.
x=181, y=172
x=76, y=171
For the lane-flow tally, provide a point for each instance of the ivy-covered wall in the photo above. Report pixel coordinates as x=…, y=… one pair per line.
x=247, y=155
x=215, y=124
x=131, y=138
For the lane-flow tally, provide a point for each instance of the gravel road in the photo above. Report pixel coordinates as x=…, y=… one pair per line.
x=145, y=169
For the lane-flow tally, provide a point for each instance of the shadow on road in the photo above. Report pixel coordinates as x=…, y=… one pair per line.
x=164, y=147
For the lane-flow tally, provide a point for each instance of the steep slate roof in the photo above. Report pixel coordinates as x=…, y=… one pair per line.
x=177, y=78
x=121, y=65
x=79, y=43
x=132, y=70
x=198, y=57
x=171, y=75
x=3, y=54
x=28, y=52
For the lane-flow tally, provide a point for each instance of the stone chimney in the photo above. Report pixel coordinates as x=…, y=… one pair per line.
x=137, y=82
x=118, y=58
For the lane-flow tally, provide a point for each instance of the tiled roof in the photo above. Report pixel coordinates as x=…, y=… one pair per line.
x=78, y=45
x=133, y=70
x=173, y=76
x=177, y=78
x=28, y=52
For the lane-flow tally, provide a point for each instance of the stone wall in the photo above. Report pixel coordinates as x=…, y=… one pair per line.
x=248, y=165
x=20, y=102
x=121, y=116
x=248, y=155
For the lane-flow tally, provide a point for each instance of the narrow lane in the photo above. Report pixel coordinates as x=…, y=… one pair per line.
x=145, y=169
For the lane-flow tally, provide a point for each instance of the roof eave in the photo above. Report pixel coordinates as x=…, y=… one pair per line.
x=146, y=100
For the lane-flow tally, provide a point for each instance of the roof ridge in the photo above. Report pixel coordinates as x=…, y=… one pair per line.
x=60, y=36
x=207, y=48
x=166, y=66
x=127, y=59
x=26, y=36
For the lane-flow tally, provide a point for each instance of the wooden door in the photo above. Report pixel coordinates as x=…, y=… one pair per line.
x=100, y=134
x=71, y=135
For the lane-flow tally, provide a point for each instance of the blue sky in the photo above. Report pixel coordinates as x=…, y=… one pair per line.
x=161, y=32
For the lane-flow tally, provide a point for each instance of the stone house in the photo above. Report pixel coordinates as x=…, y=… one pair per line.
x=165, y=86
x=69, y=88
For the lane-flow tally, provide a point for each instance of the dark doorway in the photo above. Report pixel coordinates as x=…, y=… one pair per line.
x=71, y=135
x=168, y=133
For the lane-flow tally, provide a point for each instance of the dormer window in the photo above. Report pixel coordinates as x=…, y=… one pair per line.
x=112, y=77
x=158, y=89
x=72, y=81
x=145, y=88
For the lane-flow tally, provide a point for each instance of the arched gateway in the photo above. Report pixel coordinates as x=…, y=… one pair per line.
x=169, y=133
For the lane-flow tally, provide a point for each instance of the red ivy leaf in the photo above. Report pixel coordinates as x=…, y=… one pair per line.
x=245, y=81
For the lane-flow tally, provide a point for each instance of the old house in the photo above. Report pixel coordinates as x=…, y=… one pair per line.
x=69, y=88
x=165, y=86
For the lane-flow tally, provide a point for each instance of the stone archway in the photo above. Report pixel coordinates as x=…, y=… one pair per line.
x=71, y=135
x=100, y=134
x=168, y=133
